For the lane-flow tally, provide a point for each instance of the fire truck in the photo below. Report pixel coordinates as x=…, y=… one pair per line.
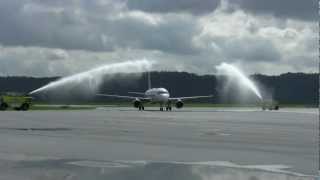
x=15, y=101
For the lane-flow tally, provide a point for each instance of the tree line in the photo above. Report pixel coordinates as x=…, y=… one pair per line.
x=288, y=88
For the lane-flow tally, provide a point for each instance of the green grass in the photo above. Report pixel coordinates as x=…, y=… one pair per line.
x=61, y=107
x=88, y=106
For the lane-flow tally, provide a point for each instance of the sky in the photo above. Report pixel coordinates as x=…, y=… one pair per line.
x=63, y=37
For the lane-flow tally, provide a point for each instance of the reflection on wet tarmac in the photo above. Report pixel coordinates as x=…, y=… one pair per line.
x=36, y=129
x=238, y=143
x=137, y=170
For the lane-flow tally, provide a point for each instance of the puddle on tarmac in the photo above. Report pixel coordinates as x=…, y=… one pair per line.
x=36, y=129
x=137, y=170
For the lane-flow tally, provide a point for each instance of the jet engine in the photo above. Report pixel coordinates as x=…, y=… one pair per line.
x=137, y=103
x=179, y=104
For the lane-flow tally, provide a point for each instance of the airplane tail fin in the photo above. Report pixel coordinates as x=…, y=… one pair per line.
x=149, y=80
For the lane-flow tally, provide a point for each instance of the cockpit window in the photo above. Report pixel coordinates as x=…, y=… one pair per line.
x=162, y=92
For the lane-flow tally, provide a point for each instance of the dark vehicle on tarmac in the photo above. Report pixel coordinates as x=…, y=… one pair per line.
x=270, y=105
x=15, y=101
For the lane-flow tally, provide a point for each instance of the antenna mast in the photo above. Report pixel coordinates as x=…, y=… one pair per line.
x=149, y=80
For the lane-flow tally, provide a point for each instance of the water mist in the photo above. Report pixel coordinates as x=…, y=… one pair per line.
x=89, y=82
x=235, y=74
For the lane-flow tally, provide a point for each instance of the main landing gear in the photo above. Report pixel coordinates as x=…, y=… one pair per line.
x=168, y=108
x=141, y=108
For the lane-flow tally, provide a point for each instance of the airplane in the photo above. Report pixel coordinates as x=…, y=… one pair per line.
x=155, y=95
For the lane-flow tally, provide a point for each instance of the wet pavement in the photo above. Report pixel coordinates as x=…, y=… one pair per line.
x=192, y=143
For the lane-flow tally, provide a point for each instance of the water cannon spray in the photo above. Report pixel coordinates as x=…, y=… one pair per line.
x=239, y=77
x=90, y=81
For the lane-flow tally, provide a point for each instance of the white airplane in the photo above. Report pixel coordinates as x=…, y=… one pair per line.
x=155, y=95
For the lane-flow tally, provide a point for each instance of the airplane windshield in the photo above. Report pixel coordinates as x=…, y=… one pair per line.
x=162, y=92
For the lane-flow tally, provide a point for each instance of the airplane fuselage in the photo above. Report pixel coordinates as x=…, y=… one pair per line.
x=160, y=95
x=155, y=95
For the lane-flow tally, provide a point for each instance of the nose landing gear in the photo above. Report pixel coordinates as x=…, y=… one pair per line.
x=168, y=108
x=165, y=106
x=141, y=108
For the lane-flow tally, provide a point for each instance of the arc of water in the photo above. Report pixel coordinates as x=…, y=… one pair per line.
x=232, y=71
x=94, y=76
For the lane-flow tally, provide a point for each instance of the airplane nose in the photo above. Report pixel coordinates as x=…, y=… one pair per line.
x=165, y=96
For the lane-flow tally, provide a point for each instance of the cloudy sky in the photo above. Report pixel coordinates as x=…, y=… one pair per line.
x=62, y=37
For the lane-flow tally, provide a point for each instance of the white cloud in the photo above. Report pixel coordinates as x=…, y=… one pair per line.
x=50, y=38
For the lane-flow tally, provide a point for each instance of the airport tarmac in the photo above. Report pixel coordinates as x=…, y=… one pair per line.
x=191, y=143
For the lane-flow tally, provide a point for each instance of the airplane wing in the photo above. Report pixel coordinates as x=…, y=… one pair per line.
x=124, y=97
x=189, y=98
x=138, y=93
